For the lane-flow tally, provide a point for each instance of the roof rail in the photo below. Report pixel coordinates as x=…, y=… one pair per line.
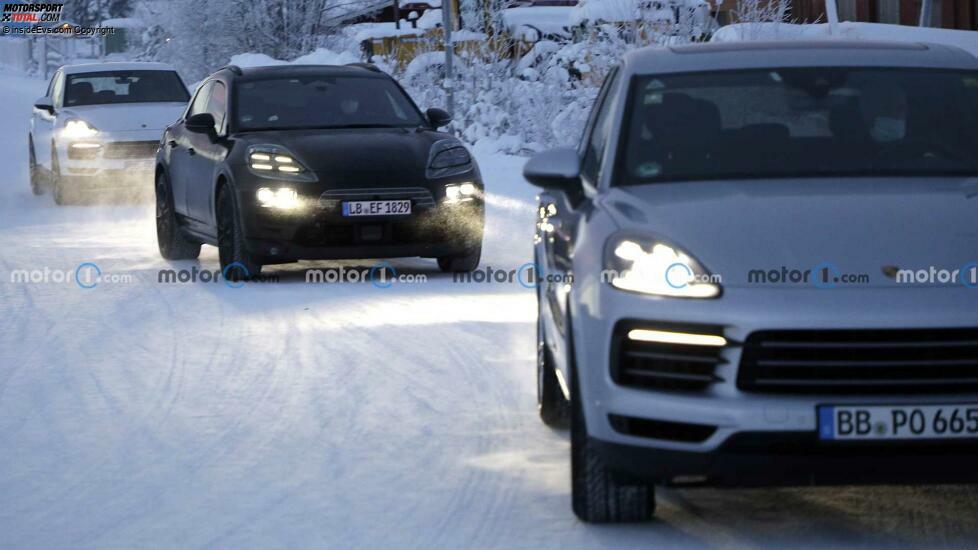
x=368, y=66
x=233, y=68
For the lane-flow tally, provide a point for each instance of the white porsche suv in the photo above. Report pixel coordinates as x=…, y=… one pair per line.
x=96, y=130
x=773, y=264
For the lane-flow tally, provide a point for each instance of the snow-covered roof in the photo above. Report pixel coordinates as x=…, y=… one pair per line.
x=117, y=66
x=371, y=31
x=620, y=11
x=546, y=19
x=966, y=40
x=124, y=23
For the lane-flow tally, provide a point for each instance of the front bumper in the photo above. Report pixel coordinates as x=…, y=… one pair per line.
x=766, y=459
x=114, y=162
x=728, y=414
x=318, y=230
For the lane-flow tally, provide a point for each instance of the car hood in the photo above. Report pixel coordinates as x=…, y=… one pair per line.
x=367, y=157
x=858, y=226
x=124, y=117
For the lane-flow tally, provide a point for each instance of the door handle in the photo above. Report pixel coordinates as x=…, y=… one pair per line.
x=172, y=143
x=191, y=151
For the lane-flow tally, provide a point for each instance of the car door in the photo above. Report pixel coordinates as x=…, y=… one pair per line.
x=206, y=155
x=43, y=122
x=561, y=215
x=180, y=144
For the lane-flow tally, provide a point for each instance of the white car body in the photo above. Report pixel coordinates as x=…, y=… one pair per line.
x=136, y=125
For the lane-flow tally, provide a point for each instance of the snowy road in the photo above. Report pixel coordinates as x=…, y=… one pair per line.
x=140, y=414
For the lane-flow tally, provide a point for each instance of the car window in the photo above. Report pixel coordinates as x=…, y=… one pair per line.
x=110, y=87
x=597, y=141
x=199, y=104
x=323, y=101
x=801, y=122
x=217, y=105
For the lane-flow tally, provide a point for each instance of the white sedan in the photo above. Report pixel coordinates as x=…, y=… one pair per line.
x=97, y=129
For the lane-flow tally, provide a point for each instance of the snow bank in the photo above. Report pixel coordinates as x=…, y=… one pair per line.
x=966, y=40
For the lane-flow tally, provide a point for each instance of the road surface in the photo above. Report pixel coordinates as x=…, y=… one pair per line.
x=146, y=414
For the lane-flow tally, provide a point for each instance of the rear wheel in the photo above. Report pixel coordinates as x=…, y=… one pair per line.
x=462, y=262
x=236, y=262
x=597, y=495
x=173, y=245
x=37, y=186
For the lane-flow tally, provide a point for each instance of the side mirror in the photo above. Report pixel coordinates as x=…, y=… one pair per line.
x=201, y=123
x=438, y=117
x=557, y=169
x=44, y=104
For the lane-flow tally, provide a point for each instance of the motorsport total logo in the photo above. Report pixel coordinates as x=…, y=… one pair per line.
x=31, y=13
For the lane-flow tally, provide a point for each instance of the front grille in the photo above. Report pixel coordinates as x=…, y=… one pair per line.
x=662, y=366
x=860, y=361
x=420, y=197
x=130, y=149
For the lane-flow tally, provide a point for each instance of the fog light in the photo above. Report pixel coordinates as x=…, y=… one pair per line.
x=284, y=198
x=460, y=192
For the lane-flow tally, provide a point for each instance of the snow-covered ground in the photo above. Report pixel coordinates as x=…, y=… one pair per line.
x=140, y=414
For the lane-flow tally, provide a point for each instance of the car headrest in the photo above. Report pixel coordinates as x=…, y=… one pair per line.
x=846, y=121
x=682, y=120
x=80, y=90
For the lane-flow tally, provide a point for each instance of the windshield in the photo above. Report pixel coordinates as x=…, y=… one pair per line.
x=109, y=87
x=323, y=102
x=800, y=122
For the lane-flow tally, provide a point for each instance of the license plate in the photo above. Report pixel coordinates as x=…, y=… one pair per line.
x=377, y=208
x=898, y=422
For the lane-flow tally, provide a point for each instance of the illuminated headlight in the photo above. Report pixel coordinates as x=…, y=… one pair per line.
x=461, y=192
x=271, y=161
x=283, y=198
x=76, y=128
x=650, y=266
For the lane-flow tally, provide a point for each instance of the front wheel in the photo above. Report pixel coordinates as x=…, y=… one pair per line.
x=172, y=244
x=237, y=263
x=553, y=407
x=37, y=186
x=462, y=262
x=597, y=496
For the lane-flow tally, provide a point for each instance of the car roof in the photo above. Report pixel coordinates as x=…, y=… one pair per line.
x=719, y=56
x=116, y=66
x=273, y=71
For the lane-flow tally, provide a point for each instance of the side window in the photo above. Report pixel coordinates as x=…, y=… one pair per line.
x=599, y=130
x=217, y=105
x=199, y=103
x=57, y=87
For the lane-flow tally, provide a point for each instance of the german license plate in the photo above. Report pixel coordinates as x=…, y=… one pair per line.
x=898, y=422
x=377, y=208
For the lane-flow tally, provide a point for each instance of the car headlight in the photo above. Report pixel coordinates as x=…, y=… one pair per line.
x=448, y=157
x=76, y=128
x=653, y=266
x=271, y=161
x=459, y=192
x=283, y=198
